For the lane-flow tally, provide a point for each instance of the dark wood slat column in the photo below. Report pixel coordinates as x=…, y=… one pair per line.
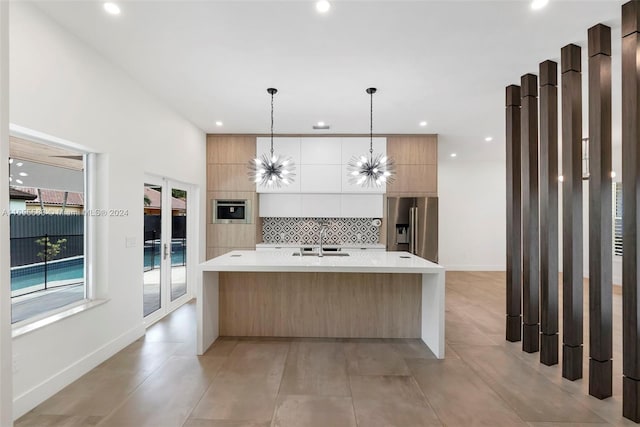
x=514, y=215
x=600, y=214
x=530, y=225
x=630, y=189
x=549, y=213
x=572, y=276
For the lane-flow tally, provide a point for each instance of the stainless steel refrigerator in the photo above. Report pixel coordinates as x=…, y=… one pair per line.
x=412, y=226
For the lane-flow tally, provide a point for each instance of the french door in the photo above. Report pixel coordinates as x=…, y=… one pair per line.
x=167, y=246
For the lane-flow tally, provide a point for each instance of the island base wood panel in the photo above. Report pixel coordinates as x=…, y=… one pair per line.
x=338, y=305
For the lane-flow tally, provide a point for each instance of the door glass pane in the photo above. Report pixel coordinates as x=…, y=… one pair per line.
x=152, y=247
x=178, y=243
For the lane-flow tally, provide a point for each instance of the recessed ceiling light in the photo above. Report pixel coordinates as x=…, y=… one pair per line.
x=539, y=4
x=10, y=161
x=19, y=181
x=219, y=123
x=320, y=124
x=323, y=6
x=112, y=8
x=489, y=139
x=19, y=164
x=561, y=178
x=454, y=155
x=613, y=174
x=423, y=123
x=23, y=174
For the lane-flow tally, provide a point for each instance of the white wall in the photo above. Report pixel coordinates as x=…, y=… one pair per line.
x=472, y=209
x=62, y=88
x=5, y=297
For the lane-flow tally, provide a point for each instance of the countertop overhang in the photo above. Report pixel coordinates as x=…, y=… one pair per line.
x=356, y=262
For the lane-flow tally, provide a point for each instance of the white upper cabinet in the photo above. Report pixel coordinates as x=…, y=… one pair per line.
x=361, y=205
x=320, y=179
x=321, y=205
x=320, y=151
x=283, y=146
x=280, y=205
x=357, y=147
x=321, y=163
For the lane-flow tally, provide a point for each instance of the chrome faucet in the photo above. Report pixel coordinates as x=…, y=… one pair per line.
x=323, y=235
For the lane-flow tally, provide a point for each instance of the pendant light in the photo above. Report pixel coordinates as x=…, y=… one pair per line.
x=271, y=170
x=371, y=171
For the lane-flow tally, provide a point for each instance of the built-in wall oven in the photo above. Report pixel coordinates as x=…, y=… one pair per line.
x=227, y=211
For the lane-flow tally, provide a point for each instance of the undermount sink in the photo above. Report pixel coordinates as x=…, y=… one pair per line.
x=324, y=254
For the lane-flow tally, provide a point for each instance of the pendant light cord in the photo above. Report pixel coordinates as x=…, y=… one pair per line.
x=271, y=124
x=371, y=128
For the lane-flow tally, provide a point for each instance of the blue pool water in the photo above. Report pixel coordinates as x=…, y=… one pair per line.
x=26, y=276
x=73, y=268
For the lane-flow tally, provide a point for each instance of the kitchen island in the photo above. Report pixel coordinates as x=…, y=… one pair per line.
x=357, y=295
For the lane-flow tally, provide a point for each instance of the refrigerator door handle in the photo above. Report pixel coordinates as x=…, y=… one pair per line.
x=415, y=230
x=412, y=230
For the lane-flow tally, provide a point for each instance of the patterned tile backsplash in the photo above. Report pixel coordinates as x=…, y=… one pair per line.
x=306, y=230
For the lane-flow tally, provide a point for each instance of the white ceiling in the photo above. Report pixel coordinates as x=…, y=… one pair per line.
x=446, y=62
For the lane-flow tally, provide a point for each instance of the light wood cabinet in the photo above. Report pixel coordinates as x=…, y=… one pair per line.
x=227, y=178
x=416, y=158
x=227, y=149
x=413, y=150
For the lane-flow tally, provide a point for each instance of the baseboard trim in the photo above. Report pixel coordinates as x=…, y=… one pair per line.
x=52, y=385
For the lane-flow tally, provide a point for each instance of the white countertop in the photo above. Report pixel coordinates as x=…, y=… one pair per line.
x=356, y=262
x=309, y=245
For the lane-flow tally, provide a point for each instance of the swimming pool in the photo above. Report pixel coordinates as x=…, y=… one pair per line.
x=71, y=270
x=32, y=275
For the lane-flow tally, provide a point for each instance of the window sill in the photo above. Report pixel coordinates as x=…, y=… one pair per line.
x=46, y=319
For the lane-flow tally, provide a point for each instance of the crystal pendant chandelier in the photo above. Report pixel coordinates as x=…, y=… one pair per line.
x=372, y=170
x=269, y=169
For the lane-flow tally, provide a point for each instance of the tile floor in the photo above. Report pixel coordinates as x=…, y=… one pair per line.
x=484, y=380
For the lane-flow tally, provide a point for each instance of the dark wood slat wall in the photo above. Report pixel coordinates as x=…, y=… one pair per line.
x=530, y=219
x=600, y=220
x=549, y=213
x=630, y=189
x=572, y=281
x=514, y=215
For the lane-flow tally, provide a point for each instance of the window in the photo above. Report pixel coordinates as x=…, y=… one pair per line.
x=47, y=228
x=617, y=218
